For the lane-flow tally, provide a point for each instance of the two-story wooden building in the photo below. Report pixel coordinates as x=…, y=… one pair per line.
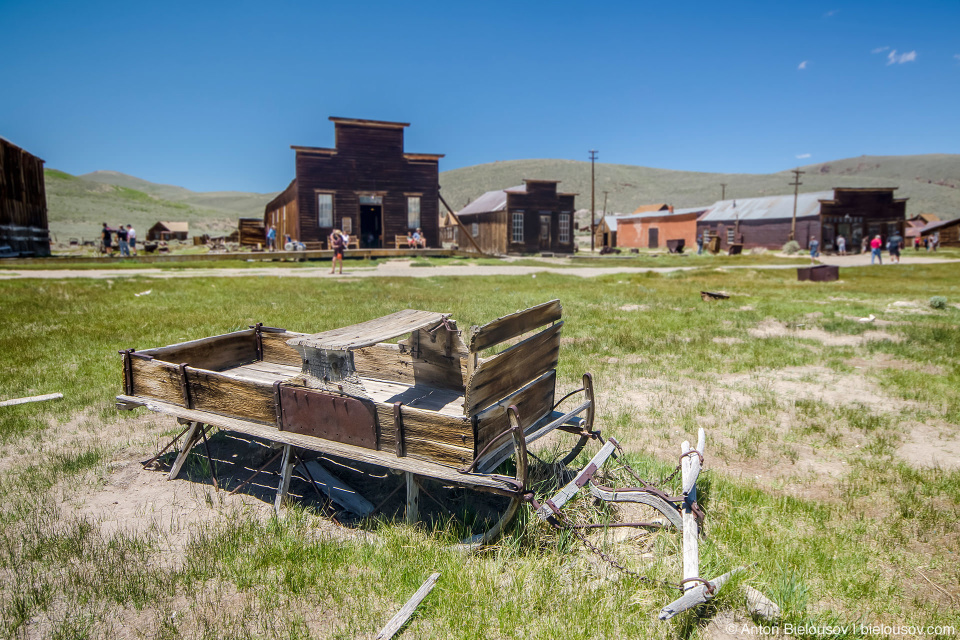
x=529, y=218
x=23, y=202
x=367, y=185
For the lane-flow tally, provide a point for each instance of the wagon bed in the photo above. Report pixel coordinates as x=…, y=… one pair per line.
x=428, y=405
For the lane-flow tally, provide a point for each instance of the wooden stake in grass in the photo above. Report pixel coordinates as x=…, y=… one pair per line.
x=396, y=622
x=49, y=396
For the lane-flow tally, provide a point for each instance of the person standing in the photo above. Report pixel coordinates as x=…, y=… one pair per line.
x=338, y=244
x=271, y=238
x=841, y=246
x=699, y=244
x=814, y=245
x=894, y=244
x=132, y=239
x=105, y=238
x=122, y=241
x=875, y=252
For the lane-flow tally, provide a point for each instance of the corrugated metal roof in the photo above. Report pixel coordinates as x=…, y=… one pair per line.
x=663, y=214
x=611, y=222
x=176, y=226
x=767, y=208
x=491, y=201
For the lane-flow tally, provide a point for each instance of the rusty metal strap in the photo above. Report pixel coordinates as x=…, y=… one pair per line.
x=584, y=477
x=557, y=403
x=706, y=583
x=691, y=452
x=185, y=386
x=398, y=426
x=485, y=450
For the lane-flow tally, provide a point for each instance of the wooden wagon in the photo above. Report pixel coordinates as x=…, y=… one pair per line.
x=427, y=405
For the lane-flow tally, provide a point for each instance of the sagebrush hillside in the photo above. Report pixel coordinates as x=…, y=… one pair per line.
x=79, y=204
x=932, y=182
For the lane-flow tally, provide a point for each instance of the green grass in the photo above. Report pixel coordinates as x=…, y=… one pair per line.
x=862, y=545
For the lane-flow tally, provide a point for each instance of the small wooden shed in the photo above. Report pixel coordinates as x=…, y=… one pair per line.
x=948, y=231
x=528, y=218
x=252, y=232
x=168, y=231
x=23, y=202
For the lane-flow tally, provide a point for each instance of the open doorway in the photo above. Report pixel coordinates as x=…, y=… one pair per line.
x=371, y=226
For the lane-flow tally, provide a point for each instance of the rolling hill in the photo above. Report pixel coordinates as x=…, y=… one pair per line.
x=79, y=204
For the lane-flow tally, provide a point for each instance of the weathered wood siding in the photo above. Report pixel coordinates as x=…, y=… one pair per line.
x=282, y=214
x=541, y=198
x=252, y=232
x=770, y=234
x=23, y=202
x=368, y=160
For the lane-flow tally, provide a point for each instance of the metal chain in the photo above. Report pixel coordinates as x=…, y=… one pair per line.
x=600, y=553
x=637, y=477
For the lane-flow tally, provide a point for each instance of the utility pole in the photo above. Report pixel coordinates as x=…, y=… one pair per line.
x=723, y=190
x=593, y=204
x=796, y=191
x=604, y=203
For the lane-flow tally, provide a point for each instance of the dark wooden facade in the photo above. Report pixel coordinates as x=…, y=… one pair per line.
x=23, y=202
x=852, y=212
x=251, y=232
x=533, y=218
x=374, y=188
x=861, y=213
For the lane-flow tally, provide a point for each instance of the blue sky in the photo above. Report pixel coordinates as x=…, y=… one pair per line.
x=210, y=95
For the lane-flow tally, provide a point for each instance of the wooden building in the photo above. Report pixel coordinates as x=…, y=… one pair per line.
x=654, y=229
x=251, y=232
x=948, y=231
x=530, y=218
x=652, y=208
x=605, y=232
x=766, y=222
x=23, y=202
x=367, y=185
x=166, y=231
x=915, y=224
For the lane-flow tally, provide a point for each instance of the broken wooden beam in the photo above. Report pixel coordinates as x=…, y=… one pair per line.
x=571, y=488
x=696, y=596
x=338, y=490
x=43, y=398
x=396, y=622
x=690, y=468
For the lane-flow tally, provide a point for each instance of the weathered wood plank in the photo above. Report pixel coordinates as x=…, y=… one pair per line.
x=412, y=510
x=513, y=325
x=453, y=431
x=43, y=398
x=696, y=596
x=690, y=465
x=338, y=490
x=156, y=379
x=396, y=622
x=571, y=488
x=365, y=334
x=506, y=372
x=213, y=353
x=276, y=349
x=443, y=401
x=218, y=393
x=533, y=401
x=640, y=497
x=390, y=362
x=286, y=473
x=480, y=482
x=551, y=421
x=193, y=436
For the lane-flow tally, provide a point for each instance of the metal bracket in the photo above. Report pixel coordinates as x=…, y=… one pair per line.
x=585, y=475
x=276, y=403
x=185, y=386
x=398, y=426
x=258, y=333
x=127, y=372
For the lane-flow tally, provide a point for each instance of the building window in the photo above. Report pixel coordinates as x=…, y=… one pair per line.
x=413, y=212
x=517, y=226
x=730, y=239
x=371, y=200
x=346, y=225
x=324, y=209
x=564, y=230
x=474, y=229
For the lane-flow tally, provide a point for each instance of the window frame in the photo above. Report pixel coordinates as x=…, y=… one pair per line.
x=515, y=218
x=563, y=231
x=331, y=195
x=419, y=200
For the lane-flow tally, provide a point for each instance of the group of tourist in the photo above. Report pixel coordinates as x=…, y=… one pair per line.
x=929, y=243
x=126, y=239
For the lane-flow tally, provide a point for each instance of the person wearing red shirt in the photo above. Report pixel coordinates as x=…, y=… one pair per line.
x=875, y=245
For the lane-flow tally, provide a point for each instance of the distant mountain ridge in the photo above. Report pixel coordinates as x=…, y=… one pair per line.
x=79, y=204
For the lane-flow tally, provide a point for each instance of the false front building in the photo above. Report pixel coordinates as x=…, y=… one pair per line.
x=855, y=214
x=525, y=219
x=366, y=186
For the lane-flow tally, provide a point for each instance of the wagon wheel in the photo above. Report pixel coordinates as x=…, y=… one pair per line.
x=520, y=449
x=586, y=425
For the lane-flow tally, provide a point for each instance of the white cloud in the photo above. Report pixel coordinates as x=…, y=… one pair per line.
x=830, y=14
x=802, y=65
x=803, y=156
x=893, y=58
x=880, y=49
x=956, y=57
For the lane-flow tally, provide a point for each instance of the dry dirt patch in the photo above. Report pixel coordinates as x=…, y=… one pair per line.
x=772, y=328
